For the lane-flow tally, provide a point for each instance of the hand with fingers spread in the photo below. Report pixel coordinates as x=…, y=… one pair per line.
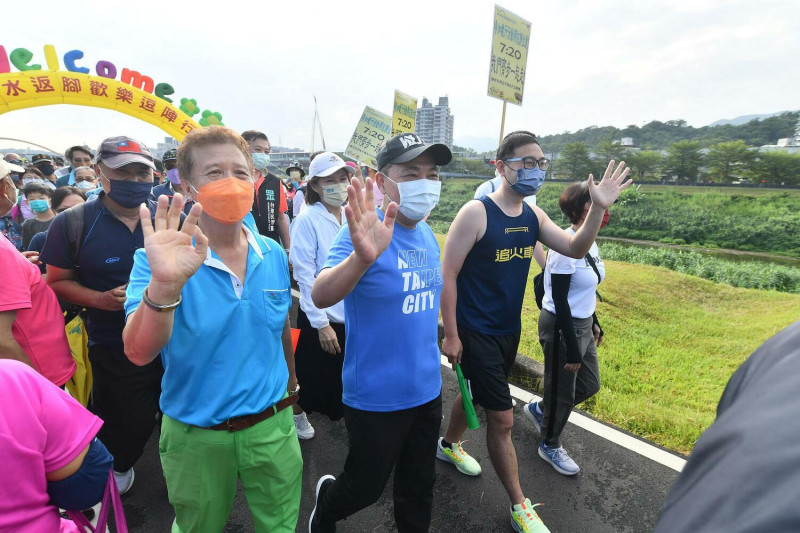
x=172, y=257
x=613, y=183
x=370, y=236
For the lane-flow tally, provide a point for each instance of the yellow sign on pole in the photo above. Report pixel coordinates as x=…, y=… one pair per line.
x=510, y=40
x=373, y=129
x=404, y=115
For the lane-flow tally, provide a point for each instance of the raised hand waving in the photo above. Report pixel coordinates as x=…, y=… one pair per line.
x=369, y=234
x=172, y=256
x=613, y=183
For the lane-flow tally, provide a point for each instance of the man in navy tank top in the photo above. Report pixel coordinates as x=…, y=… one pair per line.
x=485, y=270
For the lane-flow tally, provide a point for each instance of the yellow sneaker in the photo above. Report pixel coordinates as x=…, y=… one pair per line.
x=524, y=519
x=458, y=457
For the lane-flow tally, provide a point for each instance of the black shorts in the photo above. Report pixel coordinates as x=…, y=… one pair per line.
x=486, y=362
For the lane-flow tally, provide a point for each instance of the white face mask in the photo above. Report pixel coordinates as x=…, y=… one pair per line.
x=334, y=195
x=86, y=185
x=418, y=197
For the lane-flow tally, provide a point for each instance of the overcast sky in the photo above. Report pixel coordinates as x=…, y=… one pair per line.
x=591, y=62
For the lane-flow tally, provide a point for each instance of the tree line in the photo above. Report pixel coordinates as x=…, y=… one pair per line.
x=658, y=135
x=684, y=161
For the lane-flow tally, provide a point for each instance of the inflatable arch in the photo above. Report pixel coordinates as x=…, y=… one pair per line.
x=32, y=88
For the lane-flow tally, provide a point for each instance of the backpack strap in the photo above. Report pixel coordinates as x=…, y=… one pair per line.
x=74, y=223
x=590, y=259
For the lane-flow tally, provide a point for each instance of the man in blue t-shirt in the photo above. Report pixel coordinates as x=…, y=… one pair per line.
x=89, y=255
x=390, y=278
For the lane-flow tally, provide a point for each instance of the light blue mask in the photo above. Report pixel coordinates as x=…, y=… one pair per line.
x=260, y=160
x=529, y=180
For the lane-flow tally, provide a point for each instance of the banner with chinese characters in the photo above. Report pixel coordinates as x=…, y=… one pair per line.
x=373, y=129
x=32, y=88
x=404, y=115
x=510, y=40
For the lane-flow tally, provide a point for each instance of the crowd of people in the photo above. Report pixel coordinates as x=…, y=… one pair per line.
x=180, y=270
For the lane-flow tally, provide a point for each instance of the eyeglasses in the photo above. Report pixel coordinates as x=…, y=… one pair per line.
x=531, y=162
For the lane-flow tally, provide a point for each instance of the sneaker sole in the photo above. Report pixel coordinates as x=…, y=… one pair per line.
x=316, y=498
x=555, y=466
x=446, y=458
x=305, y=436
x=527, y=412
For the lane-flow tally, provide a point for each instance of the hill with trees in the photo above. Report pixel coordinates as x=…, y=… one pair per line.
x=658, y=135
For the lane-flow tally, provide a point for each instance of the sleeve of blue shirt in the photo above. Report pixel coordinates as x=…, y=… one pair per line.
x=341, y=248
x=37, y=242
x=140, y=278
x=56, y=248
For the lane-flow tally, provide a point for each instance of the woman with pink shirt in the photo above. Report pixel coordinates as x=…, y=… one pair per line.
x=51, y=456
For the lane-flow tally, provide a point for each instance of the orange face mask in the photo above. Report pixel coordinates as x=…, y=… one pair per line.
x=227, y=200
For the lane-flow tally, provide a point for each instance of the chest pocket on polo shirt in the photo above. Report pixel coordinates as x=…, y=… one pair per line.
x=276, y=305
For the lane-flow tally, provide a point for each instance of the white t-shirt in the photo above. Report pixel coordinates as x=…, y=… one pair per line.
x=583, y=284
x=488, y=187
x=298, y=203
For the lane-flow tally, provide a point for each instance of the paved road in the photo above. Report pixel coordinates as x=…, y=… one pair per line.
x=616, y=490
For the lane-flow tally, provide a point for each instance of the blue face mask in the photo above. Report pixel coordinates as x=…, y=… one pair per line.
x=39, y=206
x=129, y=193
x=260, y=160
x=84, y=488
x=529, y=180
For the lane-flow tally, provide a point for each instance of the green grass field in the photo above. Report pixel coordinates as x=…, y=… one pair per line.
x=672, y=343
x=742, y=191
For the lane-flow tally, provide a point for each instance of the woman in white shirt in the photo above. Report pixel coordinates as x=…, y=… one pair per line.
x=320, y=349
x=569, y=334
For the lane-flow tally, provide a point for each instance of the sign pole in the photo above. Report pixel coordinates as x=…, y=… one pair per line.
x=502, y=123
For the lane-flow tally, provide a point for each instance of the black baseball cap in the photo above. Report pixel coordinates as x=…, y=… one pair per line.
x=42, y=158
x=405, y=147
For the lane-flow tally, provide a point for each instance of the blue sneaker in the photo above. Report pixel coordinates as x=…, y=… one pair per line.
x=535, y=415
x=558, y=458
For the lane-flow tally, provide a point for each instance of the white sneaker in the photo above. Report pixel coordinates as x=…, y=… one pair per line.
x=305, y=430
x=124, y=480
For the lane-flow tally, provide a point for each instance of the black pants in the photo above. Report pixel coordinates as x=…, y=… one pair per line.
x=404, y=440
x=125, y=396
x=564, y=390
x=318, y=372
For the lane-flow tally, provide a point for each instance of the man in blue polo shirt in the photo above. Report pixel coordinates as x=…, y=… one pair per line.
x=390, y=278
x=89, y=256
x=217, y=310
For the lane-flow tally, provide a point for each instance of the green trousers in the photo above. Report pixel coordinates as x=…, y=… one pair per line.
x=201, y=467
